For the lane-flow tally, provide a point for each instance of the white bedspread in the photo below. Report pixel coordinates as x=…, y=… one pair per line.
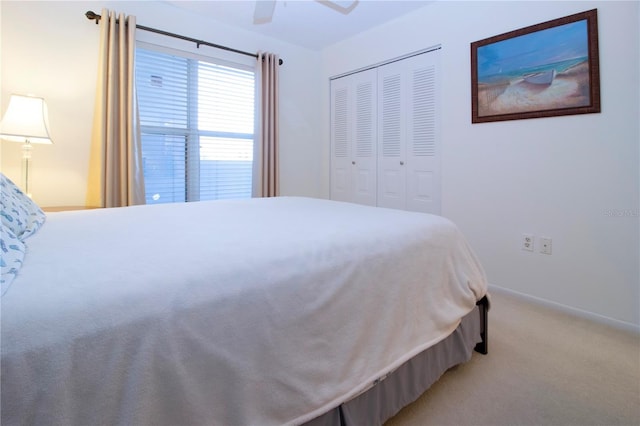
x=250, y=312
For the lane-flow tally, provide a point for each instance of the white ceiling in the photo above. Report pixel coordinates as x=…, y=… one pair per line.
x=306, y=23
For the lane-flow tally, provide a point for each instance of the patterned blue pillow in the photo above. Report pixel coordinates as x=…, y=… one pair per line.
x=19, y=213
x=12, y=252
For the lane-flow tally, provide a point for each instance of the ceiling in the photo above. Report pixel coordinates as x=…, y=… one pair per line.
x=306, y=23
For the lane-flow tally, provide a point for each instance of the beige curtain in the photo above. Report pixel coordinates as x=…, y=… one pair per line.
x=115, y=169
x=266, y=171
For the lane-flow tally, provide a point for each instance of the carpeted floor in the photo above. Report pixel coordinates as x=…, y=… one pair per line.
x=544, y=367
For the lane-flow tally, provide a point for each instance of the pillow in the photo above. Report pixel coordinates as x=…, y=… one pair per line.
x=19, y=213
x=11, y=255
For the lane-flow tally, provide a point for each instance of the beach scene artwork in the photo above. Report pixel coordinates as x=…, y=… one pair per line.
x=542, y=70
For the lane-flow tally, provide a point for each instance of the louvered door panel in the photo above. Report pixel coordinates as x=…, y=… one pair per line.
x=423, y=156
x=391, y=136
x=353, y=138
x=364, y=154
x=340, y=142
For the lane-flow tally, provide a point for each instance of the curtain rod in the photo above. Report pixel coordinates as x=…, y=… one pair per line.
x=95, y=17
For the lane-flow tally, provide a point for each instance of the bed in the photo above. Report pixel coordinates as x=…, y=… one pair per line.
x=269, y=311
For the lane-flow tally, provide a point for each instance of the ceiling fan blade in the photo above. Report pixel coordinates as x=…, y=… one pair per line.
x=344, y=7
x=263, y=12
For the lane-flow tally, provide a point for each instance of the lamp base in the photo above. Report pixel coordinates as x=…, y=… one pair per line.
x=26, y=167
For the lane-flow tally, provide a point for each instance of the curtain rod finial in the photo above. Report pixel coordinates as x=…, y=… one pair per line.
x=92, y=16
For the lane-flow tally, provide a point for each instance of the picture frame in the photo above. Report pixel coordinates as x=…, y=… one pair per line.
x=544, y=70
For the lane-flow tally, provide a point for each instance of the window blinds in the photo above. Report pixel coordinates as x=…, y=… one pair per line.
x=197, y=125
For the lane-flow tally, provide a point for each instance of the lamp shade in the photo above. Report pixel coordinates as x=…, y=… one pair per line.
x=26, y=120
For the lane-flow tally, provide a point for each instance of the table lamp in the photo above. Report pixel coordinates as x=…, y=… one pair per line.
x=27, y=121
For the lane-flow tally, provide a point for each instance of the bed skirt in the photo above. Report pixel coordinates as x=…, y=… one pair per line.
x=414, y=377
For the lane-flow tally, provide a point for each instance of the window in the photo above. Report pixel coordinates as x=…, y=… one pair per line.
x=197, y=126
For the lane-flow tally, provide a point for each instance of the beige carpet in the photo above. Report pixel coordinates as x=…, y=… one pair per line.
x=544, y=367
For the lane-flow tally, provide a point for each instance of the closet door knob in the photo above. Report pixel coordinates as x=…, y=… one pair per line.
x=353, y=162
x=402, y=163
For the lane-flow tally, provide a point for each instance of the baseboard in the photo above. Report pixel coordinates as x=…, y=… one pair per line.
x=622, y=325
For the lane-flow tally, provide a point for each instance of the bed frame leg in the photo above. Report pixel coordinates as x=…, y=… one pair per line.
x=483, y=347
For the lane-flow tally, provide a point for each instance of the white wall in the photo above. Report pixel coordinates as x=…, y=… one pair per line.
x=556, y=177
x=49, y=49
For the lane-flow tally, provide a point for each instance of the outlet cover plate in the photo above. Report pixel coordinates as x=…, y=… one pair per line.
x=527, y=242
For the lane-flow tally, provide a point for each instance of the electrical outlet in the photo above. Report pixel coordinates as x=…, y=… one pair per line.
x=545, y=245
x=527, y=242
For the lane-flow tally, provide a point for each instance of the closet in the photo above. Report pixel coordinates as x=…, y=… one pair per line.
x=385, y=135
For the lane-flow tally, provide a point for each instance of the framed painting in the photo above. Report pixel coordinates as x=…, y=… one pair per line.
x=544, y=70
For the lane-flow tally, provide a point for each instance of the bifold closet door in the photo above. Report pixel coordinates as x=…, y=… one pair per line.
x=409, y=174
x=353, y=138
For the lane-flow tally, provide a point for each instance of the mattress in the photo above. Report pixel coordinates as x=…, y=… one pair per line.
x=263, y=311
